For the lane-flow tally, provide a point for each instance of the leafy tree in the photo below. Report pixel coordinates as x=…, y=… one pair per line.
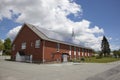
x=105, y=48
x=1, y=45
x=116, y=53
x=7, y=46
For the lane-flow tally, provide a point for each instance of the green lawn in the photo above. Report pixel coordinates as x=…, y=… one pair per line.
x=101, y=60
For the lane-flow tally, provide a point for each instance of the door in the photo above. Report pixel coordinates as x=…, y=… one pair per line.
x=65, y=58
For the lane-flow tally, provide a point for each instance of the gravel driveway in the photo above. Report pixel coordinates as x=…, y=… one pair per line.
x=66, y=71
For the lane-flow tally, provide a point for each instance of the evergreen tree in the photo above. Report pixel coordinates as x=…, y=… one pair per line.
x=7, y=46
x=105, y=48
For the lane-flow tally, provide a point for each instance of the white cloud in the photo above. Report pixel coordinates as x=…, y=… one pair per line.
x=115, y=47
x=2, y=40
x=52, y=14
x=13, y=32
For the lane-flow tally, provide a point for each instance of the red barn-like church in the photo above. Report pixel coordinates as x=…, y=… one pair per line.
x=35, y=44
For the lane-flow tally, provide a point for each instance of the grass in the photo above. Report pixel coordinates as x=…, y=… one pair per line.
x=97, y=60
x=101, y=60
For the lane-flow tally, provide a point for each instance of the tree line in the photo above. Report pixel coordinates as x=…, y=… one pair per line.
x=5, y=46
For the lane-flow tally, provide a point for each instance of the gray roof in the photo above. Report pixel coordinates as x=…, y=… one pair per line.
x=54, y=36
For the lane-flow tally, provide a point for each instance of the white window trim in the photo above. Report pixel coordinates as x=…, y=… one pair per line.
x=85, y=54
x=58, y=47
x=70, y=50
x=88, y=54
x=82, y=53
x=79, y=51
x=75, y=51
x=23, y=46
x=37, y=44
x=31, y=44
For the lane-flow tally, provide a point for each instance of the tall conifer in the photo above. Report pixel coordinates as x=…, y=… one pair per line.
x=105, y=48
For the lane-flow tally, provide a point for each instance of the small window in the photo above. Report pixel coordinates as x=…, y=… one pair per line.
x=31, y=44
x=82, y=54
x=79, y=51
x=37, y=44
x=70, y=50
x=74, y=50
x=23, y=45
x=83, y=50
x=58, y=47
x=88, y=54
x=13, y=48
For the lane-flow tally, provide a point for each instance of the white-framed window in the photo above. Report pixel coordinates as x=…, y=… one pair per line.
x=83, y=50
x=23, y=46
x=31, y=44
x=58, y=47
x=88, y=54
x=37, y=44
x=85, y=54
x=70, y=50
x=74, y=50
x=82, y=54
x=79, y=51
x=13, y=48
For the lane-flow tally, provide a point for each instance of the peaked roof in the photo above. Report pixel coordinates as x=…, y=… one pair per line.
x=54, y=36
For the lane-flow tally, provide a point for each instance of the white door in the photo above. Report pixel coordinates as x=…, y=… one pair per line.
x=19, y=57
x=65, y=58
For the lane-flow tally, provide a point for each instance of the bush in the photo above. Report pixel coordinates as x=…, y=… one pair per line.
x=116, y=53
x=82, y=59
x=6, y=52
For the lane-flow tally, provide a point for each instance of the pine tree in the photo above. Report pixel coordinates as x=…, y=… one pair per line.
x=105, y=48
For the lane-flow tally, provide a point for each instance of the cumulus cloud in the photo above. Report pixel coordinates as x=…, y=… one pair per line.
x=115, y=47
x=13, y=32
x=52, y=14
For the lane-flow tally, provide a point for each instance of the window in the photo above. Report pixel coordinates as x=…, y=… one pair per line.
x=31, y=44
x=23, y=45
x=37, y=44
x=74, y=50
x=58, y=47
x=88, y=54
x=82, y=54
x=13, y=48
x=70, y=50
x=79, y=51
x=85, y=54
x=83, y=50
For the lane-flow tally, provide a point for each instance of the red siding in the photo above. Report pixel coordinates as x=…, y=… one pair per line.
x=28, y=36
x=50, y=48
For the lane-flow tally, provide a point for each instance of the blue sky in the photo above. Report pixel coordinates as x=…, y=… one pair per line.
x=105, y=14
x=101, y=13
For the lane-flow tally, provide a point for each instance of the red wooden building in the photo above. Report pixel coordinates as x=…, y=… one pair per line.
x=35, y=44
